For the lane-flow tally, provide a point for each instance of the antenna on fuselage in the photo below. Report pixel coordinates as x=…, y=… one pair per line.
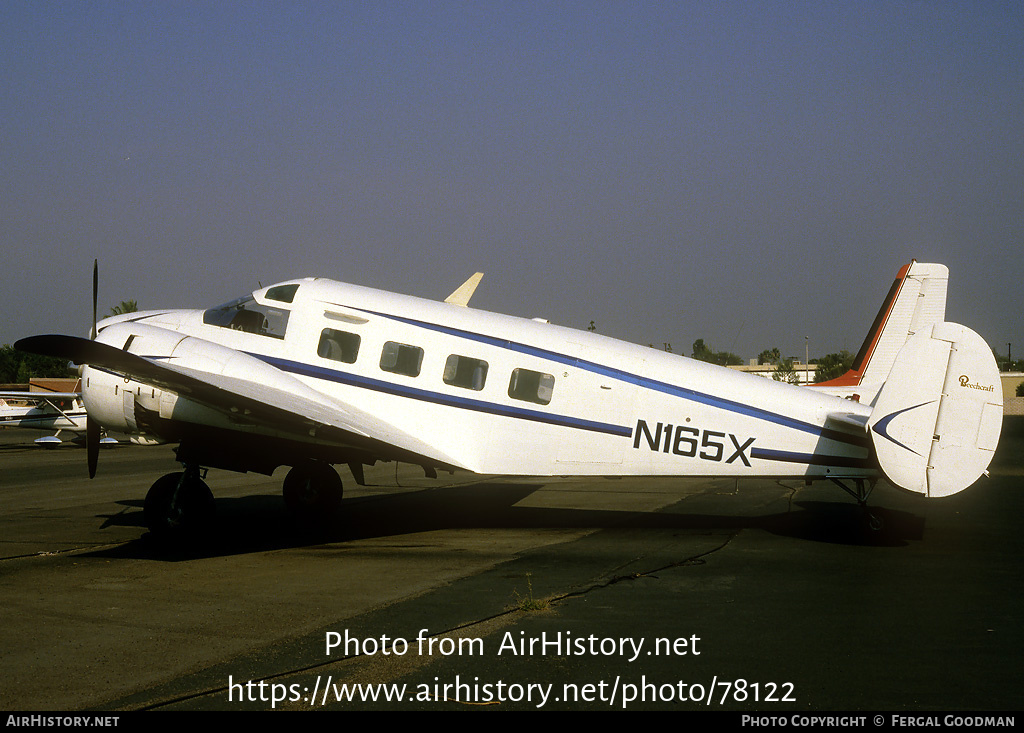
x=465, y=291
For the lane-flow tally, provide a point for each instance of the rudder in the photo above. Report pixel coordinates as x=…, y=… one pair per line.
x=916, y=300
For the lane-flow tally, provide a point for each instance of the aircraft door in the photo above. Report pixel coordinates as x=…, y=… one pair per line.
x=603, y=393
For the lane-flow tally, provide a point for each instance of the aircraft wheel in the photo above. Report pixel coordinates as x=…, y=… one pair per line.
x=178, y=505
x=313, y=490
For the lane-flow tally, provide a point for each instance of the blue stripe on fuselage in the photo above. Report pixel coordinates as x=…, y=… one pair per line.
x=378, y=385
x=624, y=376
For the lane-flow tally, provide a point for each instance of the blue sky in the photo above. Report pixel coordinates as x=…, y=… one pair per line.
x=745, y=173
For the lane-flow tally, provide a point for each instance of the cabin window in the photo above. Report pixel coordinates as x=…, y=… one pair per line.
x=338, y=345
x=245, y=314
x=531, y=386
x=463, y=371
x=401, y=359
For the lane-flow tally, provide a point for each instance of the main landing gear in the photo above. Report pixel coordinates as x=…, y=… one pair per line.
x=861, y=491
x=313, y=490
x=179, y=504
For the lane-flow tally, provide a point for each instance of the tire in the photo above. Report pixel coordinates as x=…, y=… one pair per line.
x=313, y=490
x=194, y=511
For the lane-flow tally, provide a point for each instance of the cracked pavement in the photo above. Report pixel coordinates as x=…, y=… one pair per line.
x=768, y=582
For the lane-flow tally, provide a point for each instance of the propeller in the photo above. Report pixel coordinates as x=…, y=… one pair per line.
x=92, y=428
x=95, y=293
x=92, y=444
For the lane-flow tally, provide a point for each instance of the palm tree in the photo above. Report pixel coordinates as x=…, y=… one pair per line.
x=125, y=306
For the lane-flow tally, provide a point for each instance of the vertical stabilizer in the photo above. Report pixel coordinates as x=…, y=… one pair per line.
x=915, y=302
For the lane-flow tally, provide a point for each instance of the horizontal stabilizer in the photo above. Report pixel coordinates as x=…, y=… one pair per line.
x=936, y=421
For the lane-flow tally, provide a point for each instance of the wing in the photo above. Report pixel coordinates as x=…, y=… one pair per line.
x=254, y=394
x=38, y=396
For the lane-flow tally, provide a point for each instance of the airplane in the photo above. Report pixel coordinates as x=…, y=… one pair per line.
x=311, y=373
x=60, y=411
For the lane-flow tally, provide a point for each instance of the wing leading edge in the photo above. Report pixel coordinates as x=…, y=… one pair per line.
x=273, y=401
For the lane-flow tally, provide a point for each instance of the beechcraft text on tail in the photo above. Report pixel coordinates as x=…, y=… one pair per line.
x=313, y=373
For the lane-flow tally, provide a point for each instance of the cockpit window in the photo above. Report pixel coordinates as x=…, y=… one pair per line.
x=284, y=293
x=245, y=314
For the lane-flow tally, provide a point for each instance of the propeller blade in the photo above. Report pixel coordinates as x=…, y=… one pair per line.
x=92, y=428
x=95, y=293
x=92, y=444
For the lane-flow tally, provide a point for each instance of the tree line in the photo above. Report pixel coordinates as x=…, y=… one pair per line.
x=18, y=367
x=827, y=367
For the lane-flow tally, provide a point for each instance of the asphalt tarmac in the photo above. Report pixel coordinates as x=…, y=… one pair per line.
x=498, y=593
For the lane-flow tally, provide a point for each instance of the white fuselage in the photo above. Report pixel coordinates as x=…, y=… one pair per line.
x=498, y=394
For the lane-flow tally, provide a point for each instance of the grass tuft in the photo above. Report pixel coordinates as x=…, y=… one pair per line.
x=529, y=603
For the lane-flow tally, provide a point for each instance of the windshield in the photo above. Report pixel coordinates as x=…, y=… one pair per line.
x=245, y=314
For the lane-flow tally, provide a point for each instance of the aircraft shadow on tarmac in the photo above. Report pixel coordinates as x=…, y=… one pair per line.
x=259, y=523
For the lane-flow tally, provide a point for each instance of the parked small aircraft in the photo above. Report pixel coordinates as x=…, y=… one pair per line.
x=59, y=411
x=310, y=373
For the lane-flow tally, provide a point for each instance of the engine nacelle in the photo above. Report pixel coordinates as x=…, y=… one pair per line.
x=115, y=400
x=110, y=399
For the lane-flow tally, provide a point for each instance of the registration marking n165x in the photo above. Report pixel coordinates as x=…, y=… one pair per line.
x=690, y=442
